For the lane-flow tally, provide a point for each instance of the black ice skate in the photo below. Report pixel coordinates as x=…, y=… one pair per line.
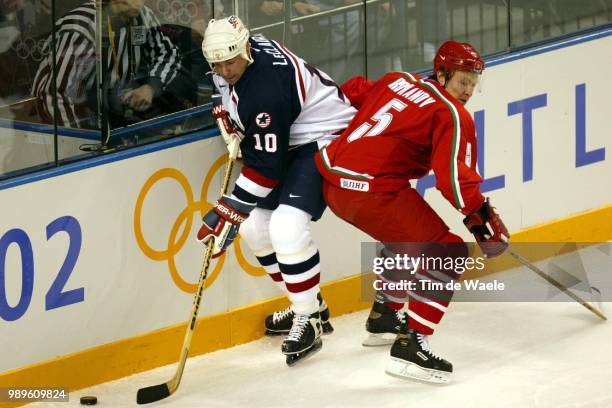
x=383, y=324
x=411, y=357
x=280, y=322
x=304, y=338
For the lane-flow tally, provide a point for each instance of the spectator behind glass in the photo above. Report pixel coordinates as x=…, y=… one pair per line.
x=144, y=76
x=337, y=45
x=8, y=27
x=433, y=27
x=8, y=34
x=184, y=22
x=8, y=7
x=386, y=34
x=265, y=12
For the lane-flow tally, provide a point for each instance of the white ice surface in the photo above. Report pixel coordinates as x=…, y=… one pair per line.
x=504, y=355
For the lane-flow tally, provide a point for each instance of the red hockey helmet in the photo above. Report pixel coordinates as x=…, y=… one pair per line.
x=453, y=55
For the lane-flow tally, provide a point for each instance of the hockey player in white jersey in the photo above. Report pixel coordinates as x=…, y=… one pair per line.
x=284, y=110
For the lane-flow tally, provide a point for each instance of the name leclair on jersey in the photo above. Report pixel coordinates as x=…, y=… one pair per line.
x=412, y=93
x=268, y=48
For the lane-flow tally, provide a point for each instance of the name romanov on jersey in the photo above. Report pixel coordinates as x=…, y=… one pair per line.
x=411, y=92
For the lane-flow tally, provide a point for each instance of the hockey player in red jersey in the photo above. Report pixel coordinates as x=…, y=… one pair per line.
x=405, y=127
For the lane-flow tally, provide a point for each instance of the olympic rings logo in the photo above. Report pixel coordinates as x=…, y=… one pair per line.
x=176, y=11
x=176, y=241
x=29, y=47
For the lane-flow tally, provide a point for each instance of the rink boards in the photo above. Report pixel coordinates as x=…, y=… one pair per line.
x=98, y=261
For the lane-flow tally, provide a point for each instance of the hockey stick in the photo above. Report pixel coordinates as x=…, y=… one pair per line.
x=154, y=393
x=556, y=284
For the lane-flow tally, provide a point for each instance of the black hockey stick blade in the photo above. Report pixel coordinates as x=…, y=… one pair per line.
x=153, y=393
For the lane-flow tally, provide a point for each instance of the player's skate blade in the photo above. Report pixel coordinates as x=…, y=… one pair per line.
x=297, y=357
x=327, y=329
x=379, y=339
x=273, y=333
x=405, y=369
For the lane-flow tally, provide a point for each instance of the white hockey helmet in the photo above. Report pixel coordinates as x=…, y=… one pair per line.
x=224, y=39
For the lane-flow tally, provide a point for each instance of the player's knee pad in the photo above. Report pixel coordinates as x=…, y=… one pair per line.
x=255, y=231
x=290, y=234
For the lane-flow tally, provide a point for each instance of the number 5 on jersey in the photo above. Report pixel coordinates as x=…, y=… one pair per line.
x=269, y=142
x=382, y=118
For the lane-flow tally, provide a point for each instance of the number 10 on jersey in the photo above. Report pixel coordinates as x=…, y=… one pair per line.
x=267, y=143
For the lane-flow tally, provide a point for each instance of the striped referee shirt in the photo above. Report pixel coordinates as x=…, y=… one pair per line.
x=152, y=55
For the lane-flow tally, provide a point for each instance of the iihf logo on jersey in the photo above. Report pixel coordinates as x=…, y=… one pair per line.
x=263, y=120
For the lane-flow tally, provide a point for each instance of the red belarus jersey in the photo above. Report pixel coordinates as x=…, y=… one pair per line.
x=405, y=127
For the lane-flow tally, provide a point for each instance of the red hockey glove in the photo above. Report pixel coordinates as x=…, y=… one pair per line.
x=489, y=230
x=222, y=223
x=228, y=131
x=219, y=112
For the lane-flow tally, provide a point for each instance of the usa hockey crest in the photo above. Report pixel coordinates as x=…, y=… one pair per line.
x=233, y=21
x=263, y=120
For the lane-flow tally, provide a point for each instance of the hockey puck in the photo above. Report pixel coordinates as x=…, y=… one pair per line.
x=89, y=400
